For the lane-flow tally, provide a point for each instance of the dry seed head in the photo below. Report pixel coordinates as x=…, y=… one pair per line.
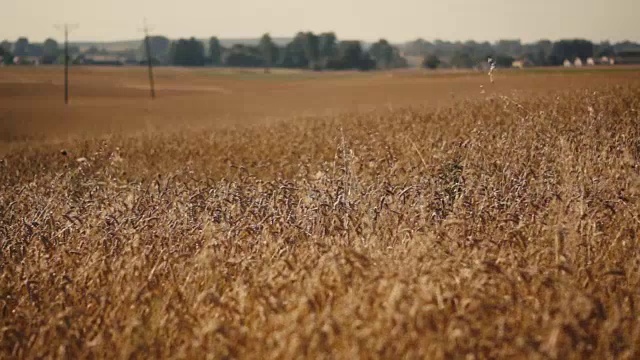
x=492, y=67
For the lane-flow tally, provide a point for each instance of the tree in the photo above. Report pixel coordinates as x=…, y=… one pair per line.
x=293, y=55
x=50, y=51
x=187, y=52
x=21, y=47
x=571, y=50
x=554, y=60
x=348, y=57
x=244, y=56
x=461, y=60
x=312, y=49
x=6, y=45
x=541, y=51
x=6, y=57
x=431, y=62
x=328, y=47
x=350, y=52
x=382, y=53
x=35, y=50
x=445, y=48
x=418, y=47
x=397, y=60
x=351, y=56
x=504, y=61
x=215, y=51
x=540, y=58
x=605, y=49
x=509, y=47
x=159, y=46
x=366, y=63
x=268, y=50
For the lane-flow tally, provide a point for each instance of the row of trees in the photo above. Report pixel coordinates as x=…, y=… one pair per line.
x=305, y=50
x=541, y=53
x=325, y=51
x=48, y=52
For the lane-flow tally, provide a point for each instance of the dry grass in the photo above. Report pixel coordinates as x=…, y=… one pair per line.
x=495, y=228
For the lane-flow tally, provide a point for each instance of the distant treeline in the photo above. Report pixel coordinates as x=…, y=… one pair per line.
x=305, y=50
x=541, y=53
x=324, y=51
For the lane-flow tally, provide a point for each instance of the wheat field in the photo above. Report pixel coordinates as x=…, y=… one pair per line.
x=495, y=225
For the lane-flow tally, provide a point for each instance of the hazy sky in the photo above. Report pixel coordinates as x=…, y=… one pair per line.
x=396, y=20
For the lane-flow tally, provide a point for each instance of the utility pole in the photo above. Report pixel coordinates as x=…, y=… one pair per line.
x=147, y=46
x=67, y=28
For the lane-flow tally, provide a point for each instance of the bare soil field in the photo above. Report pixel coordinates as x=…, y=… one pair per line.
x=306, y=215
x=108, y=100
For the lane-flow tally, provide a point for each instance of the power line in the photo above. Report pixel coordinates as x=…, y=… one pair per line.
x=66, y=28
x=147, y=46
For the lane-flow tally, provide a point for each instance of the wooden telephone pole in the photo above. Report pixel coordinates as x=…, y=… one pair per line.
x=147, y=46
x=66, y=28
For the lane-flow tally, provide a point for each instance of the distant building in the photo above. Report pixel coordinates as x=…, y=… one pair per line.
x=522, y=63
x=113, y=60
x=27, y=60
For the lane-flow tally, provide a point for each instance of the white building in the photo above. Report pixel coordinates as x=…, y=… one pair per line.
x=26, y=60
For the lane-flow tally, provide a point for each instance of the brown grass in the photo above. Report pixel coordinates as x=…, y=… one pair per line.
x=499, y=227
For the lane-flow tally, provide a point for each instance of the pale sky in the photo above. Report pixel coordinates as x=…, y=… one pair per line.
x=396, y=20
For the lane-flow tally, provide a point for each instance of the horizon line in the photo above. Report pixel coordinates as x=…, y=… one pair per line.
x=343, y=38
